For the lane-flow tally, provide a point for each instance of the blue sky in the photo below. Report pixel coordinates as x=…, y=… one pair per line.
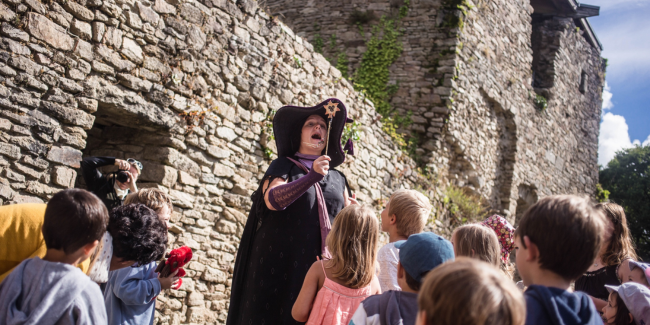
x=623, y=28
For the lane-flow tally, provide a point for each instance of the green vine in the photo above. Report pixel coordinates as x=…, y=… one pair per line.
x=342, y=64
x=351, y=131
x=318, y=44
x=602, y=195
x=540, y=102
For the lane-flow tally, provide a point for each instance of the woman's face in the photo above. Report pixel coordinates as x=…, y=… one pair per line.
x=313, y=136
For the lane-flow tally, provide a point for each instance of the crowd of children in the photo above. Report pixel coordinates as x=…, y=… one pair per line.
x=417, y=278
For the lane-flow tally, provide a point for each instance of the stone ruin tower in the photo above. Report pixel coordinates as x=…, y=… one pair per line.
x=189, y=87
x=471, y=73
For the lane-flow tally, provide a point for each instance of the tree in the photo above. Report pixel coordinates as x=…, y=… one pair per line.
x=627, y=177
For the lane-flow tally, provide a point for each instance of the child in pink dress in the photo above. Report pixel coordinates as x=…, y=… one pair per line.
x=333, y=289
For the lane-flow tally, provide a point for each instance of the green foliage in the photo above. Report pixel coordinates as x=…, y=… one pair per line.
x=383, y=49
x=540, y=102
x=297, y=60
x=351, y=131
x=342, y=64
x=318, y=44
x=627, y=177
x=404, y=10
x=462, y=206
x=602, y=195
x=333, y=42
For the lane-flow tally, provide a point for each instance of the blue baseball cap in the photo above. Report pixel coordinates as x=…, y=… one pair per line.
x=423, y=252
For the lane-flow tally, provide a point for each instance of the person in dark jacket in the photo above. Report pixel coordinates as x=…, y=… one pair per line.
x=112, y=188
x=557, y=240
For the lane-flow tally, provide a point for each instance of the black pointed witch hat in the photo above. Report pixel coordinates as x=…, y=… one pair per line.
x=288, y=122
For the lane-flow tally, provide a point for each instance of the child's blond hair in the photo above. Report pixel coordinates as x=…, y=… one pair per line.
x=153, y=198
x=470, y=292
x=412, y=210
x=353, y=245
x=477, y=241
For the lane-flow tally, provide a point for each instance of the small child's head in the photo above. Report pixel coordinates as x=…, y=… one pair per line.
x=639, y=273
x=156, y=200
x=477, y=241
x=74, y=222
x=627, y=303
x=353, y=245
x=139, y=236
x=468, y=292
x=561, y=234
x=418, y=255
x=407, y=212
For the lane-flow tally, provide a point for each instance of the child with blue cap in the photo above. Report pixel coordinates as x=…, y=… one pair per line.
x=418, y=255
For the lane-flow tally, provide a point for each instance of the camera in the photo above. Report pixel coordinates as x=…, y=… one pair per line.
x=122, y=176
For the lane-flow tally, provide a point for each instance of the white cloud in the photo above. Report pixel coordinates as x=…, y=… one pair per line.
x=614, y=134
x=646, y=142
x=613, y=137
x=607, y=97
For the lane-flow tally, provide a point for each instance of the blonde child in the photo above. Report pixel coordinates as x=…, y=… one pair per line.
x=627, y=303
x=468, y=292
x=477, y=241
x=405, y=214
x=333, y=289
x=154, y=199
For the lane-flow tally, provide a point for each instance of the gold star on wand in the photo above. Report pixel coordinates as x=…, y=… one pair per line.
x=331, y=109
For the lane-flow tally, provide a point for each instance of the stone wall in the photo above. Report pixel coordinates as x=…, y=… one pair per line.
x=187, y=88
x=424, y=72
x=470, y=87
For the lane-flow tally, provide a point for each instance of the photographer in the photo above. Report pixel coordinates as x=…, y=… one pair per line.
x=113, y=187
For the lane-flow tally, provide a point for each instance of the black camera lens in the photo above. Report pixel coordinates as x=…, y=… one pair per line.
x=122, y=177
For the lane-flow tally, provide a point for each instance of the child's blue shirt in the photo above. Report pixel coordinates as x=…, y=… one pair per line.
x=129, y=295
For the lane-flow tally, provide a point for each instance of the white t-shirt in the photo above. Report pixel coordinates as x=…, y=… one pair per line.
x=387, y=258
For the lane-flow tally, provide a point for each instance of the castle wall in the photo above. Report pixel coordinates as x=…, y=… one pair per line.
x=521, y=150
x=470, y=86
x=105, y=77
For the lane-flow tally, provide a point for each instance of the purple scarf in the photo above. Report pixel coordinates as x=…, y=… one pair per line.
x=306, y=162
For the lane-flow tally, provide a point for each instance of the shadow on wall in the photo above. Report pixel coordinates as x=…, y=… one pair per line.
x=123, y=138
x=527, y=197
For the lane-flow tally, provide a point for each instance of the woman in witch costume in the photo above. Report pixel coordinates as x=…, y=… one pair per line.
x=293, y=209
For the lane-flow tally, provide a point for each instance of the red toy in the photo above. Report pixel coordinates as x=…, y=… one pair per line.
x=176, y=259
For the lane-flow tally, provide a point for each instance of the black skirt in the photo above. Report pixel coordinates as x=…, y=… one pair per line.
x=277, y=252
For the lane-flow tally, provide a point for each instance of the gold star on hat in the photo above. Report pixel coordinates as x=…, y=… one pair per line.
x=331, y=109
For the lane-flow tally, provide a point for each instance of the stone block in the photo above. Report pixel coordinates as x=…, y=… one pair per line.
x=6, y=14
x=49, y=32
x=148, y=14
x=102, y=68
x=221, y=170
x=81, y=29
x=226, y=227
x=64, y=176
x=9, y=150
x=133, y=19
x=187, y=179
x=195, y=299
x=134, y=83
x=161, y=174
x=84, y=50
x=65, y=155
x=162, y=7
x=69, y=114
x=226, y=133
x=218, y=152
x=113, y=37
x=14, y=33
x=132, y=50
x=99, y=29
x=79, y=11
